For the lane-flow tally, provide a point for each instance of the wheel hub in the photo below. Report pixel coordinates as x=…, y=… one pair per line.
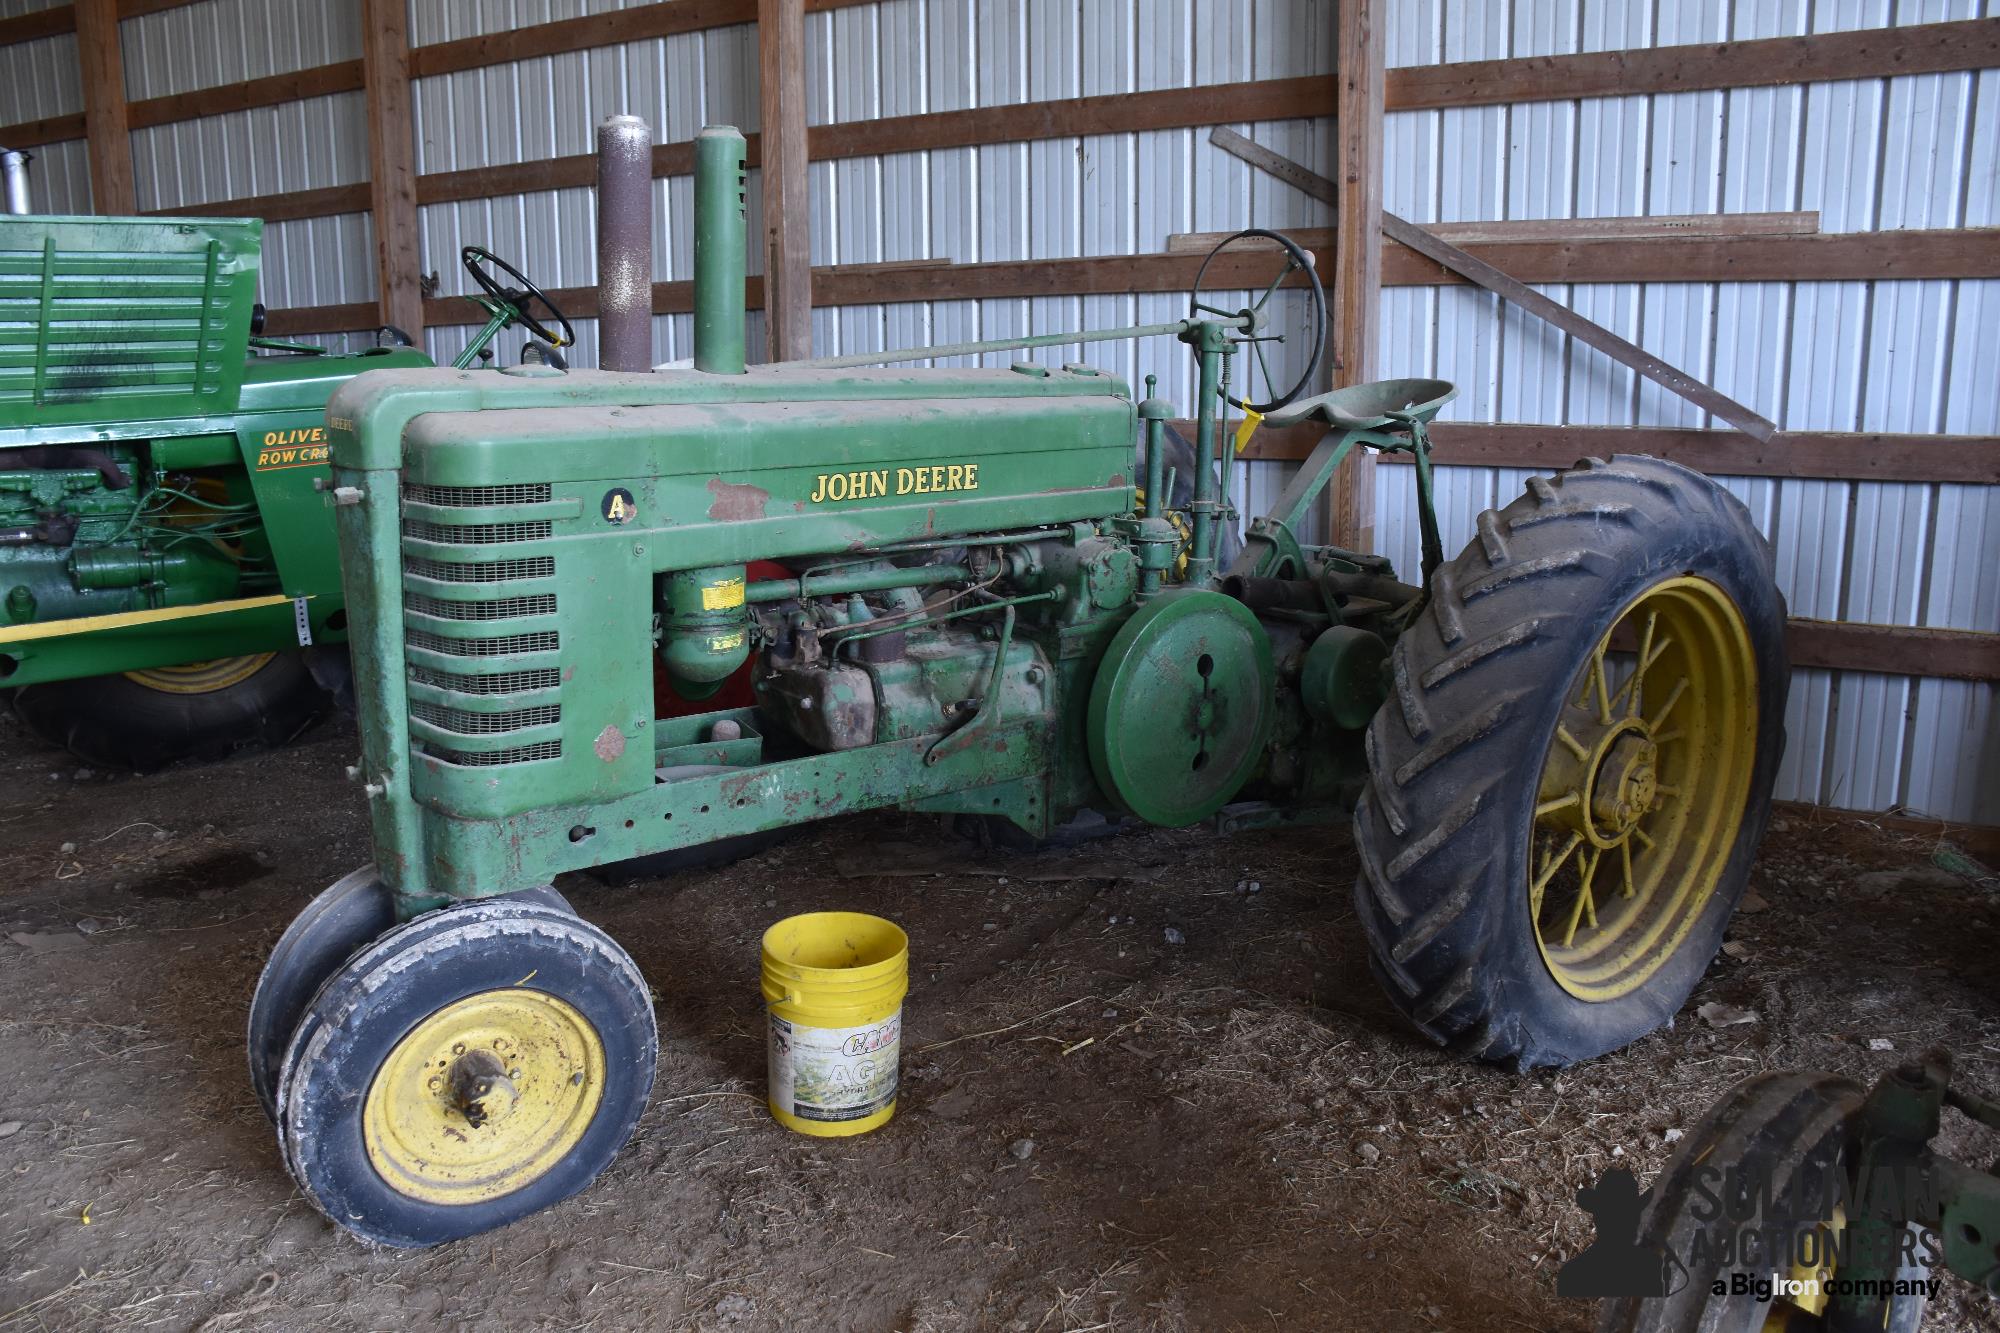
x=483, y=1097
x=479, y=1087
x=1626, y=785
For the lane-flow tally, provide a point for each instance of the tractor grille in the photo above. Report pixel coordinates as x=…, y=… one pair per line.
x=507, y=608
x=489, y=595
x=481, y=534
x=523, y=754
x=527, y=493
x=507, y=682
x=546, y=641
x=490, y=571
x=485, y=724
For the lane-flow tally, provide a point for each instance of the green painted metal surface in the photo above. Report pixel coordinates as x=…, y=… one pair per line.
x=963, y=573
x=1182, y=706
x=123, y=319
x=148, y=461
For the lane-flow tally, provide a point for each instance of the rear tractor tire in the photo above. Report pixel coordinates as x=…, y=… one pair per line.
x=144, y=720
x=1574, y=767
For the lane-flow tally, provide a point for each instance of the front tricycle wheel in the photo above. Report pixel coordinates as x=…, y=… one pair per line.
x=1571, y=776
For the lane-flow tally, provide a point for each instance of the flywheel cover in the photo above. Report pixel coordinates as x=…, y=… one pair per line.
x=1182, y=706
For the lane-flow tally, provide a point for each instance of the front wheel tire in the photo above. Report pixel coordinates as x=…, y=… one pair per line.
x=1554, y=836
x=469, y=1068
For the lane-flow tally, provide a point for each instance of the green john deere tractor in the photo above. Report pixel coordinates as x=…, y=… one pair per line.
x=1556, y=749
x=169, y=584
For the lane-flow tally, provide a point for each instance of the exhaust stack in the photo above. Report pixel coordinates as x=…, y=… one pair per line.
x=14, y=164
x=718, y=250
x=625, y=244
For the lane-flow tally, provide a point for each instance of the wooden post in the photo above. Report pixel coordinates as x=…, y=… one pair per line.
x=1357, y=246
x=107, y=134
x=392, y=177
x=787, y=219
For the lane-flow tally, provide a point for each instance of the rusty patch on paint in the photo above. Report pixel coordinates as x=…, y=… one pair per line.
x=610, y=744
x=734, y=503
x=1117, y=479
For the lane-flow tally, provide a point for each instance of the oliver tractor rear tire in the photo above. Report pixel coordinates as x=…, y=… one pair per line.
x=1553, y=836
x=145, y=720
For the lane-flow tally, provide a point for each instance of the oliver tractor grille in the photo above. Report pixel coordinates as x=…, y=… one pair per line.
x=468, y=624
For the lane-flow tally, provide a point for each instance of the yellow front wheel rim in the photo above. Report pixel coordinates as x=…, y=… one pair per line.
x=1643, y=789
x=484, y=1097
x=201, y=677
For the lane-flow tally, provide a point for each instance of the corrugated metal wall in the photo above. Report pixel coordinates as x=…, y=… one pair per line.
x=1916, y=151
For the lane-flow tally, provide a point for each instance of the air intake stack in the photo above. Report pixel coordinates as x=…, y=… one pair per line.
x=718, y=250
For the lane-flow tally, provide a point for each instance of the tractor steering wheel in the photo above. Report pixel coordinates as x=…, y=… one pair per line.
x=476, y=258
x=1296, y=261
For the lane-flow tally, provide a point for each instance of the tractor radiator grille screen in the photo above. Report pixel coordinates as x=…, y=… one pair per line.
x=482, y=534
x=526, y=493
x=544, y=642
x=491, y=571
x=524, y=754
x=463, y=715
x=507, y=608
x=507, y=682
x=485, y=724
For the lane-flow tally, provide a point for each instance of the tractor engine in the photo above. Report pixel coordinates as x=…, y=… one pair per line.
x=96, y=530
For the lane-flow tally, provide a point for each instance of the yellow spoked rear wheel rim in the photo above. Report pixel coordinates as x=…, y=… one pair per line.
x=431, y=1136
x=1643, y=789
x=201, y=677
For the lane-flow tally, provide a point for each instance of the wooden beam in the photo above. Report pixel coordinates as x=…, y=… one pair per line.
x=37, y=24
x=637, y=24
x=787, y=239
x=1517, y=231
x=1693, y=259
x=1580, y=327
x=47, y=130
x=1871, y=53
x=275, y=90
x=1501, y=283
x=1971, y=460
x=385, y=55
x=1893, y=650
x=1355, y=302
x=283, y=205
x=58, y=19
x=1856, y=256
x=108, y=139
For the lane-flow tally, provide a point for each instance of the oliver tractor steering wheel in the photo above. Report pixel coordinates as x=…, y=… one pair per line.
x=476, y=258
x=1296, y=261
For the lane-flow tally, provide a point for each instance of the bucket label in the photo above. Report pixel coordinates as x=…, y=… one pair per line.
x=835, y=1073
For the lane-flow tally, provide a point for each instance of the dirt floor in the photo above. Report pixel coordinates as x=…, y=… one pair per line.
x=1230, y=1130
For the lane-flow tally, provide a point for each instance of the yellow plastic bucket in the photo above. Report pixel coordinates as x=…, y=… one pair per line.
x=833, y=985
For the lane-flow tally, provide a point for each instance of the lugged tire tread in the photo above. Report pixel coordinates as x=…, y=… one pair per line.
x=1427, y=857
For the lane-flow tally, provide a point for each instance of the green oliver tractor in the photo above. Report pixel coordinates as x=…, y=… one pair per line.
x=168, y=577
x=975, y=618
